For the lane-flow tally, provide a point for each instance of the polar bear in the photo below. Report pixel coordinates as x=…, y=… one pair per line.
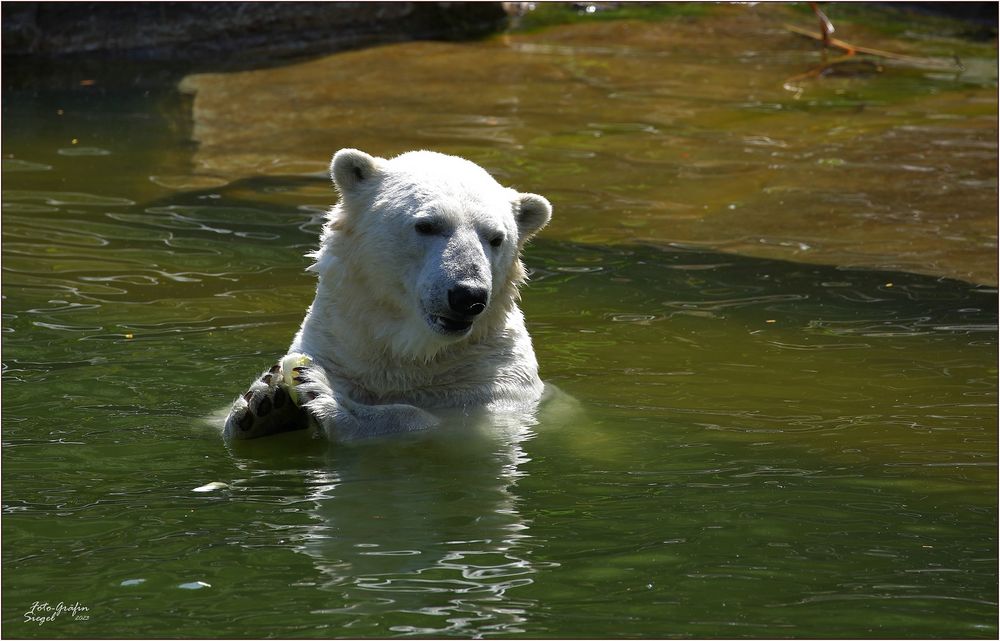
x=416, y=308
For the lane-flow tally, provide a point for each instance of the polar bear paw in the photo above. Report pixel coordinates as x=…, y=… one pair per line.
x=295, y=394
x=272, y=404
x=344, y=420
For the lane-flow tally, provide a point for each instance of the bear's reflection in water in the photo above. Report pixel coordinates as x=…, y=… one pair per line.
x=427, y=524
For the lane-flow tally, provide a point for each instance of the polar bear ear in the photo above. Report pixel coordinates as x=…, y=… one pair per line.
x=351, y=168
x=532, y=212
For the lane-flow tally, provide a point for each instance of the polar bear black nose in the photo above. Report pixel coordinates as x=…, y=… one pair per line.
x=467, y=301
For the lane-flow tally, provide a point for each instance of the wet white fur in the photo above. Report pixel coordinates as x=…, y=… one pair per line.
x=379, y=365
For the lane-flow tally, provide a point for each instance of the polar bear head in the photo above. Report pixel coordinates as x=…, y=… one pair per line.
x=427, y=247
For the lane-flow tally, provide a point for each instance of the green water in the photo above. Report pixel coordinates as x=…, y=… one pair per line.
x=770, y=444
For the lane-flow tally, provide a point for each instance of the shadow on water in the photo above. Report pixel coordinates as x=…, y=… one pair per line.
x=650, y=283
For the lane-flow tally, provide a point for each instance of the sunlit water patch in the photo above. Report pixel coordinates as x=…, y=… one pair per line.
x=674, y=130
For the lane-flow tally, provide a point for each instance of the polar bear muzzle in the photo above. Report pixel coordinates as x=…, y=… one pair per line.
x=468, y=301
x=465, y=302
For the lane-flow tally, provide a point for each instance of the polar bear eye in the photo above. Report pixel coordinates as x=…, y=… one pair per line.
x=496, y=241
x=426, y=228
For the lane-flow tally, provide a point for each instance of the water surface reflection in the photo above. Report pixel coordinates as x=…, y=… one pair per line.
x=426, y=527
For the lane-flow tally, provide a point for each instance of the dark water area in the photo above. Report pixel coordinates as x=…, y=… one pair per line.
x=764, y=444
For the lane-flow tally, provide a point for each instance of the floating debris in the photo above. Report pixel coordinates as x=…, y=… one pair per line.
x=211, y=487
x=194, y=585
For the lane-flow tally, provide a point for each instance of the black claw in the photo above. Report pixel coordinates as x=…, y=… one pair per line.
x=312, y=396
x=248, y=396
x=245, y=422
x=299, y=379
x=266, y=379
x=264, y=407
x=279, y=398
x=274, y=368
x=299, y=369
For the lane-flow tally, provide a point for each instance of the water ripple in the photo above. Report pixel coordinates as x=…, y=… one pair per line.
x=74, y=199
